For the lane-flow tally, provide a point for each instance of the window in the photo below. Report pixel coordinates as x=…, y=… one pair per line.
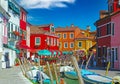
x=98, y=32
x=37, y=41
x=16, y=28
x=48, y=41
x=71, y=35
x=104, y=52
x=71, y=45
x=57, y=42
x=108, y=28
x=51, y=41
x=112, y=28
x=8, y=30
x=116, y=54
x=64, y=36
x=59, y=35
x=99, y=52
x=60, y=45
x=11, y=27
x=80, y=44
x=65, y=45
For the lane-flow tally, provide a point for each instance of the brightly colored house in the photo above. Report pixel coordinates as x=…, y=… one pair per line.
x=108, y=34
x=43, y=37
x=73, y=39
x=85, y=40
x=66, y=37
x=4, y=17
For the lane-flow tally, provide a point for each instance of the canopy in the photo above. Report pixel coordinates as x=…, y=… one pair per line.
x=44, y=52
x=53, y=52
x=24, y=47
x=13, y=48
x=67, y=52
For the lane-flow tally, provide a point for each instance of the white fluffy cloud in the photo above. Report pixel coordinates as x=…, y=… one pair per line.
x=33, y=4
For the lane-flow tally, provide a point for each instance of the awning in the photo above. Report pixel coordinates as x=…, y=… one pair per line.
x=44, y=52
x=67, y=52
x=53, y=52
x=24, y=47
x=13, y=48
x=32, y=50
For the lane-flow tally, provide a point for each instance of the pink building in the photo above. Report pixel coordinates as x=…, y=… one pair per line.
x=115, y=40
x=108, y=31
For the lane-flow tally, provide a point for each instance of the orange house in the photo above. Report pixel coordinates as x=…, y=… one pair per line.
x=66, y=37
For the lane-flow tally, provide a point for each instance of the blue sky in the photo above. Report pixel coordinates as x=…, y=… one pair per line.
x=64, y=12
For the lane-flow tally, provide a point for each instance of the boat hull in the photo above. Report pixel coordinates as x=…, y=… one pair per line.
x=88, y=77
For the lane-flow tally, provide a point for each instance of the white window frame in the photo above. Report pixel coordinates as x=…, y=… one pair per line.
x=63, y=36
x=65, y=43
x=115, y=55
x=57, y=42
x=39, y=42
x=71, y=44
x=51, y=41
x=54, y=41
x=48, y=41
x=59, y=35
x=70, y=35
x=78, y=44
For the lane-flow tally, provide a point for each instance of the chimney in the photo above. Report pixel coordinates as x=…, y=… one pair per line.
x=103, y=13
x=72, y=25
x=88, y=28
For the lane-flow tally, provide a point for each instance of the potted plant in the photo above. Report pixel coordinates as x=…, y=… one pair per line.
x=16, y=61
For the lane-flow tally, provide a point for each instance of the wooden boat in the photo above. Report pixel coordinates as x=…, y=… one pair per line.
x=89, y=77
x=94, y=78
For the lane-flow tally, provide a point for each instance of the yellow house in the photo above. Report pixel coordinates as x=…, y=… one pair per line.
x=85, y=40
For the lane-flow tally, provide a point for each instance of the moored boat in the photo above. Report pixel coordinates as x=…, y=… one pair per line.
x=89, y=77
x=94, y=78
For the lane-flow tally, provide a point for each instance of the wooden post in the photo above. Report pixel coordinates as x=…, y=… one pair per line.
x=23, y=71
x=40, y=71
x=56, y=76
x=50, y=73
x=82, y=64
x=88, y=61
x=108, y=66
x=77, y=69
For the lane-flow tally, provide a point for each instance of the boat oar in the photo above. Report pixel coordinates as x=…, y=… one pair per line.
x=77, y=70
x=50, y=73
x=108, y=66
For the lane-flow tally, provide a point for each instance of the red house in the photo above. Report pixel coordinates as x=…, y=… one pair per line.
x=23, y=25
x=43, y=37
x=108, y=35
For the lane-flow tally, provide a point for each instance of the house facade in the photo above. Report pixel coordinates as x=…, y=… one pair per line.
x=107, y=35
x=9, y=38
x=4, y=17
x=74, y=39
x=67, y=38
x=43, y=37
x=85, y=40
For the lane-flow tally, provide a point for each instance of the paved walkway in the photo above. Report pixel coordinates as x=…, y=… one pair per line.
x=13, y=76
x=111, y=73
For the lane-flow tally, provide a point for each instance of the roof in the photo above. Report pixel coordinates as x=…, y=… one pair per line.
x=37, y=30
x=62, y=29
x=81, y=35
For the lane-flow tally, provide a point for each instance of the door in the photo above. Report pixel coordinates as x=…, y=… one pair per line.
x=112, y=58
